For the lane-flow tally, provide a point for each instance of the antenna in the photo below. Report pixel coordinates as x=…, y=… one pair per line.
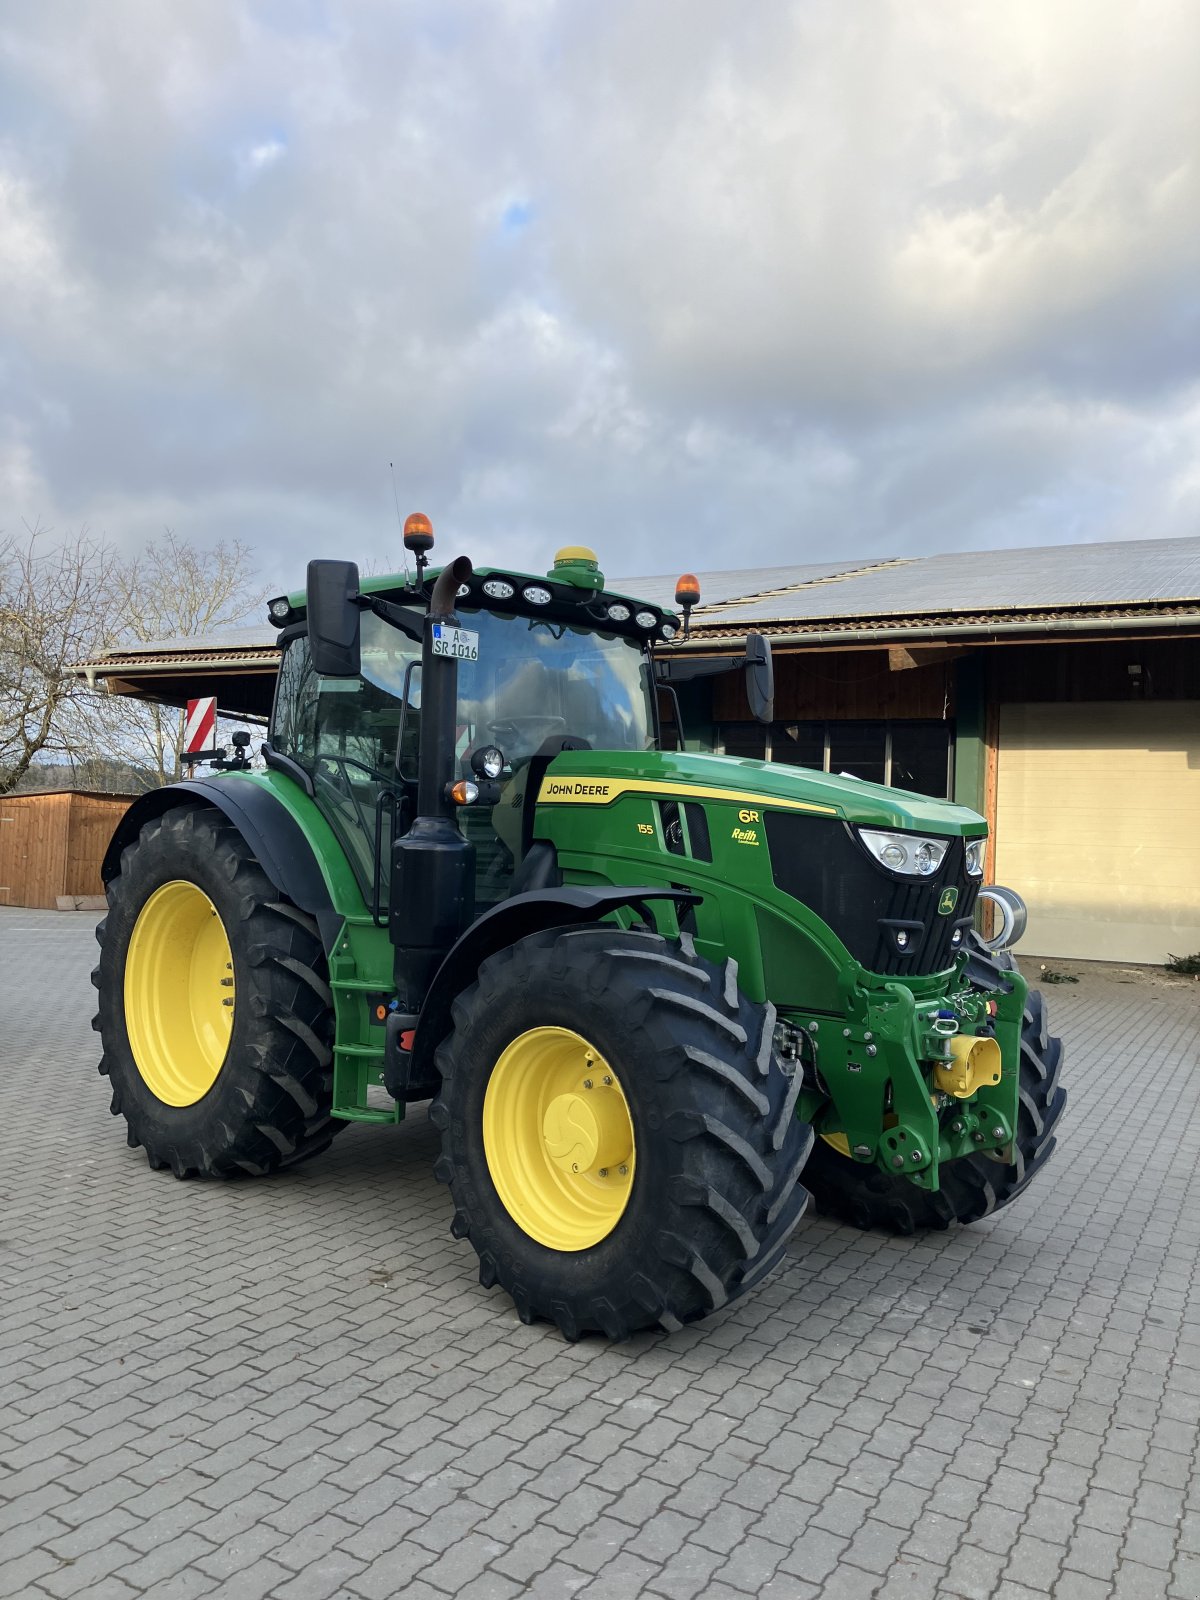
x=399, y=519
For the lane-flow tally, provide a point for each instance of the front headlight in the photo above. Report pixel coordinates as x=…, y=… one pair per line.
x=906, y=853
x=488, y=762
x=976, y=848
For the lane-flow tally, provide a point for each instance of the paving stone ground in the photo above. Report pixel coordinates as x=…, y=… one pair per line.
x=296, y=1388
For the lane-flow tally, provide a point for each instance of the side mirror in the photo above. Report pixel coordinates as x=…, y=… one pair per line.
x=760, y=677
x=333, y=618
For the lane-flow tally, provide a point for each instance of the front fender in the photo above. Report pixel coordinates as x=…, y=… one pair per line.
x=503, y=925
x=266, y=823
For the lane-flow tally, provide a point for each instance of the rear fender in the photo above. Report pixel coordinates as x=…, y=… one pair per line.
x=266, y=824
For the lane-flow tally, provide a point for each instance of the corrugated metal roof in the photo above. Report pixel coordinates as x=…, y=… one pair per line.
x=945, y=624
x=225, y=647
x=222, y=639
x=204, y=651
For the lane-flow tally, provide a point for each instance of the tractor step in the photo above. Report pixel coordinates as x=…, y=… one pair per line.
x=357, y=1068
x=368, y=1114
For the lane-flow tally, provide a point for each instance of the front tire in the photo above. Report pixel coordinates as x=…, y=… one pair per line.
x=617, y=1133
x=215, y=1011
x=973, y=1187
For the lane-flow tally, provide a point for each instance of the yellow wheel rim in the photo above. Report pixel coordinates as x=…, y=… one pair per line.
x=558, y=1139
x=179, y=993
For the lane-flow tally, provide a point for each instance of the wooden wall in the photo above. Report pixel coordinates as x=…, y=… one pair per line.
x=1170, y=670
x=919, y=682
x=33, y=848
x=837, y=684
x=52, y=843
x=94, y=820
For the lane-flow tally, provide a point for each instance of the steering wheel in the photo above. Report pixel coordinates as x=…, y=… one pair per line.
x=509, y=730
x=340, y=763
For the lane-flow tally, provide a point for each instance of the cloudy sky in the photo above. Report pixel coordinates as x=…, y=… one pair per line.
x=704, y=283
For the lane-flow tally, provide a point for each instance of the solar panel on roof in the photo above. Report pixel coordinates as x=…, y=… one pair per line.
x=1056, y=576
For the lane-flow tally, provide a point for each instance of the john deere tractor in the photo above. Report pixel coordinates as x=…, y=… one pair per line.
x=656, y=998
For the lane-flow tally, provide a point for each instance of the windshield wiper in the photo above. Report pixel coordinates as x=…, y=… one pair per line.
x=556, y=633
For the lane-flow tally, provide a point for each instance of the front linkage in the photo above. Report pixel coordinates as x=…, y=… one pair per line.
x=971, y=1176
x=909, y=1082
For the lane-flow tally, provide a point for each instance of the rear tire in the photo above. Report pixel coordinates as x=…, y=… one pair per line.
x=717, y=1151
x=269, y=1102
x=973, y=1187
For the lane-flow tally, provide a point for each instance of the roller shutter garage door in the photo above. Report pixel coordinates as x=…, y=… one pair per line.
x=1097, y=808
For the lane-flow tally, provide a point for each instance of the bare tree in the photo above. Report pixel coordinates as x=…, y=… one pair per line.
x=65, y=603
x=58, y=606
x=176, y=590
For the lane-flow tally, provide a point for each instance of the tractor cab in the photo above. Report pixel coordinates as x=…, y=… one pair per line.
x=531, y=685
x=445, y=696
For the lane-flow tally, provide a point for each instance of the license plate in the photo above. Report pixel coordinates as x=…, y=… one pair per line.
x=457, y=642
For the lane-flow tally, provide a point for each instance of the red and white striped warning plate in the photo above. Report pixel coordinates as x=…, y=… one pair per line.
x=200, y=729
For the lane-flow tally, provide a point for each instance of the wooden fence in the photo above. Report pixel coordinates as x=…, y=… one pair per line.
x=52, y=843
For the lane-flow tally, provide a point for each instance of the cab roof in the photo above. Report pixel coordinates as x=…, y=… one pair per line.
x=556, y=597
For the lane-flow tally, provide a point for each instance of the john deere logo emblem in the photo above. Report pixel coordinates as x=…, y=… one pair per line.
x=948, y=901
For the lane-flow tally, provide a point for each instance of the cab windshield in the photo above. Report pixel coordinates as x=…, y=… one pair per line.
x=534, y=680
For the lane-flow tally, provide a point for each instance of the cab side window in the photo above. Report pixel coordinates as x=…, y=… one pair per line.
x=294, y=716
x=344, y=732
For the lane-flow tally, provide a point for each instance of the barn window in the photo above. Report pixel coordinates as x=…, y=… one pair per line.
x=906, y=754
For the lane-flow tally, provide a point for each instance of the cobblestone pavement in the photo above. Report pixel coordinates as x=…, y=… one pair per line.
x=296, y=1387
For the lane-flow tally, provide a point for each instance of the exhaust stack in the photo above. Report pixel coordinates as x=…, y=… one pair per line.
x=433, y=867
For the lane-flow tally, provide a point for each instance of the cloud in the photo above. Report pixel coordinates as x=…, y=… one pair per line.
x=254, y=159
x=696, y=282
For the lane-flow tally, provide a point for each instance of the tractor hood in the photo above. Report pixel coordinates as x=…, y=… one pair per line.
x=598, y=777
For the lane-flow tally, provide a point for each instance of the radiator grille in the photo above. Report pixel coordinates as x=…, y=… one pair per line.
x=818, y=861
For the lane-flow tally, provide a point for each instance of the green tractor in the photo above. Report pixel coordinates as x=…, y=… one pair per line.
x=656, y=998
